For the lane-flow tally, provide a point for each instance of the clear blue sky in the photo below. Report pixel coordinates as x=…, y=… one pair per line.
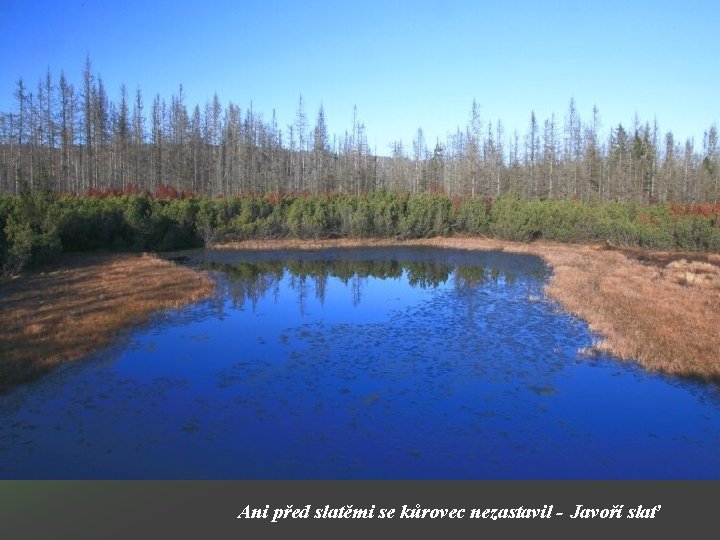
x=404, y=64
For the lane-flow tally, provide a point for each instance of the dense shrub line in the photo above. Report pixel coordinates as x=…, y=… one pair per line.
x=35, y=227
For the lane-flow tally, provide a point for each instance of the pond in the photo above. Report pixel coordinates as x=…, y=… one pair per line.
x=413, y=363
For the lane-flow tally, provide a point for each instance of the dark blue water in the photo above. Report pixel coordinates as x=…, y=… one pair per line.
x=381, y=364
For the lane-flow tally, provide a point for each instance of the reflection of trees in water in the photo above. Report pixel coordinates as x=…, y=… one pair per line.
x=427, y=275
x=468, y=278
x=321, y=287
x=249, y=282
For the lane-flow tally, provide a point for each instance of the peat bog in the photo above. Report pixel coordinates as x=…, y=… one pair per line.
x=380, y=363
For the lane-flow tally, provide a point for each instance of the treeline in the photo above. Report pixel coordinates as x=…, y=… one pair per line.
x=34, y=227
x=69, y=139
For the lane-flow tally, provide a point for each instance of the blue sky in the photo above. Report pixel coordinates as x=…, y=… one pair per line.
x=404, y=64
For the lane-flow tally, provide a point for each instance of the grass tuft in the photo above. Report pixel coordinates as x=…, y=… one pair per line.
x=80, y=305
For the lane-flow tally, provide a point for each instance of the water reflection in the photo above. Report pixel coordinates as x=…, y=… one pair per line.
x=251, y=281
x=375, y=363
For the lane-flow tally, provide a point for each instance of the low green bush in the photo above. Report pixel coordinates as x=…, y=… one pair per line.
x=36, y=227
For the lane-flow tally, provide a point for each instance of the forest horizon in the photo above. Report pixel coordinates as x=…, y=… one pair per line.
x=69, y=139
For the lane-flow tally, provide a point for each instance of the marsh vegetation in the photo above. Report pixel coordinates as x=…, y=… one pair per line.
x=79, y=304
x=403, y=361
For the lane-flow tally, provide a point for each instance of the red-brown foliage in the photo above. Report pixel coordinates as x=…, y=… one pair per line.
x=162, y=191
x=707, y=210
x=114, y=192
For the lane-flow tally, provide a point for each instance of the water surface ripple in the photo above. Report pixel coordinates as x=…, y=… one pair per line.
x=361, y=363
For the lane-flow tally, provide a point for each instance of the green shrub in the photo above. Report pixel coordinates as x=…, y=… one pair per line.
x=695, y=233
x=510, y=218
x=30, y=236
x=28, y=246
x=35, y=227
x=426, y=216
x=473, y=216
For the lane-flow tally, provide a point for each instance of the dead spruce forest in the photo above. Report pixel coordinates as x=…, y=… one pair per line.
x=81, y=171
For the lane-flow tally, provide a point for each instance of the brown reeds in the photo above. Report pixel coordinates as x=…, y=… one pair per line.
x=64, y=313
x=661, y=309
x=665, y=316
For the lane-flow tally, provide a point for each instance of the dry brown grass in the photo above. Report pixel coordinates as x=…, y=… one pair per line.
x=659, y=308
x=65, y=313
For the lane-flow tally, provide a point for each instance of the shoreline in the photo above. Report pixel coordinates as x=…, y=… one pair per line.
x=661, y=309
x=658, y=308
x=81, y=303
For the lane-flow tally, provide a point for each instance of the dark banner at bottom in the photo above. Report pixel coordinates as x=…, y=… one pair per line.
x=269, y=509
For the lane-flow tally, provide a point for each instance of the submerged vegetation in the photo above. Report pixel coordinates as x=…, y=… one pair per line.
x=78, y=306
x=35, y=227
x=661, y=309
